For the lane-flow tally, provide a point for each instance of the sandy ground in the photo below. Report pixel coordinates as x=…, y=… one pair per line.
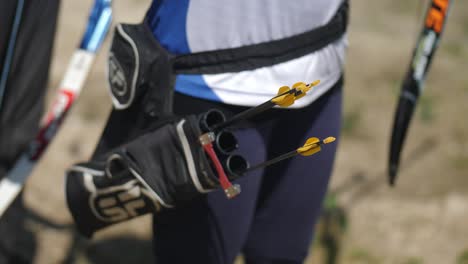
x=422, y=220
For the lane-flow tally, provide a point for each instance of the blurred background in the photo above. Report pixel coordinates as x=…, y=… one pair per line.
x=424, y=219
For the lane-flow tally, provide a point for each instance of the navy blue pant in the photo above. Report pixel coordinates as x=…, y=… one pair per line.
x=272, y=220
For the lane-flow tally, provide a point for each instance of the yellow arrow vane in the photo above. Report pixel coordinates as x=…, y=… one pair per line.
x=287, y=96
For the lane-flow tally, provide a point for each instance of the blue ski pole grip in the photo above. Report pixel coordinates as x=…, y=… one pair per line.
x=99, y=22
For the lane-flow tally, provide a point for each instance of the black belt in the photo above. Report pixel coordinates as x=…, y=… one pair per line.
x=266, y=53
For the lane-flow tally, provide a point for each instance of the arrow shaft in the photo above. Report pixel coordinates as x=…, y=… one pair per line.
x=273, y=161
x=245, y=115
x=249, y=113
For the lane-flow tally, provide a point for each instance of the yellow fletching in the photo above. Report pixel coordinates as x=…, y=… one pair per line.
x=284, y=100
x=311, y=151
x=283, y=89
x=289, y=99
x=304, y=88
x=310, y=147
x=312, y=140
x=301, y=95
x=314, y=83
x=299, y=85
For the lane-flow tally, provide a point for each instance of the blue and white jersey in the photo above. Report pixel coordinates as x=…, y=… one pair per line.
x=184, y=27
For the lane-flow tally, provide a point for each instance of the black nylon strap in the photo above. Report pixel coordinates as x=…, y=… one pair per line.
x=263, y=54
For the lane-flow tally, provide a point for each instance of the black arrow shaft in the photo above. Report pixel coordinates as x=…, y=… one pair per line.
x=249, y=113
x=273, y=161
x=245, y=115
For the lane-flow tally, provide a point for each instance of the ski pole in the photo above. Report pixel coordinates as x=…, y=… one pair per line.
x=286, y=97
x=312, y=146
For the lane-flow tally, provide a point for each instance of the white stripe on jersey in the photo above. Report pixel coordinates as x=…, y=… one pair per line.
x=250, y=88
x=224, y=24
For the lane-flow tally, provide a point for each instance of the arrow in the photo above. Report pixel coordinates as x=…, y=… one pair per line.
x=286, y=97
x=311, y=146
